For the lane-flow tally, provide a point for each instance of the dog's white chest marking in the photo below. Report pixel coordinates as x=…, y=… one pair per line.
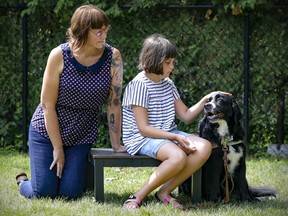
x=234, y=158
x=223, y=128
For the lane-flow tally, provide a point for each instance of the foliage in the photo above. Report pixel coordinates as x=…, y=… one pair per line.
x=269, y=61
x=210, y=43
x=10, y=79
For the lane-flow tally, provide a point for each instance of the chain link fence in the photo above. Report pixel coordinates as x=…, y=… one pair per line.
x=214, y=55
x=11, y=65
x=269, y=78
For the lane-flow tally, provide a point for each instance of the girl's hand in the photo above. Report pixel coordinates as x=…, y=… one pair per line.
x=216, y=92
x=185, y=144
x=59, y=160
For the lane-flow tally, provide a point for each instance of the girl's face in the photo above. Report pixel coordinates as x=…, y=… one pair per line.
x=168, y=66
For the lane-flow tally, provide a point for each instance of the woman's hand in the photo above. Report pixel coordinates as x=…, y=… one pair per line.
x=59, y=160
x=120, y=149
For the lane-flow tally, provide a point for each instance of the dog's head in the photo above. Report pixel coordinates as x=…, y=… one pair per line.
x=223, y=109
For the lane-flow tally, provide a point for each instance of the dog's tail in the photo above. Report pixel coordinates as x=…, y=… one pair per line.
x=263, y=193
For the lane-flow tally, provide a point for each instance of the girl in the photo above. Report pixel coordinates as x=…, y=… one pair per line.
x=150, y=104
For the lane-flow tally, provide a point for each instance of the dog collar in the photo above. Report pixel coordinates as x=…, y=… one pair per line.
x=228, y=141
x=234, y=142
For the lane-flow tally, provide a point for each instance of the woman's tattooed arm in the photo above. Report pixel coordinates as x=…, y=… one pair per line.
x=114, y=111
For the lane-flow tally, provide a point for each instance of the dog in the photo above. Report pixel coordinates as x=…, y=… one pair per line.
x=221, y=125
x=224, y=173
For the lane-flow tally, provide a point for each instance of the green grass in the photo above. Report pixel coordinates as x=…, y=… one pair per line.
x=120, y=182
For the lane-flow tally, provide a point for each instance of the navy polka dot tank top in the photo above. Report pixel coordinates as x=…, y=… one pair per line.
x=82, y=92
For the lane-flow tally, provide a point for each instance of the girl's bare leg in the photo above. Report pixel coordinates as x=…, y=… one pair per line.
x=174, y=160
x=175, y=168
x=194, y=162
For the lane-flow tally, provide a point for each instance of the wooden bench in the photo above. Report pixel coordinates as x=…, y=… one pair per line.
x=104, y=157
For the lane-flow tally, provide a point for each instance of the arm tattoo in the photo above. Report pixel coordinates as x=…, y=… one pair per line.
x=116, y=102
x=116, y=87
x=112, y=122
x=115, y=62
x=112, y=119
x=114, y=90
x=117, y=90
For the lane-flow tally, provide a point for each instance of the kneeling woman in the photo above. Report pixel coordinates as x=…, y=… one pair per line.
x=80, y=76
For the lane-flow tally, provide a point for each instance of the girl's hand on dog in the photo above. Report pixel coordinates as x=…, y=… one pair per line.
x=216, y=92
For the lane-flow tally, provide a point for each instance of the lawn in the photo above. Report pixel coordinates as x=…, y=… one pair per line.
x=120, y=182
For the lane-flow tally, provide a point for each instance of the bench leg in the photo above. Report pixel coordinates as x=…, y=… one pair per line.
x=192, y=187
x=99, y=181
x=90, y=176
x=196, y=186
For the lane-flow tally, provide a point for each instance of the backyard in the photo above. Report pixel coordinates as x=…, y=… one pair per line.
x=241, y=49
x=120, y=182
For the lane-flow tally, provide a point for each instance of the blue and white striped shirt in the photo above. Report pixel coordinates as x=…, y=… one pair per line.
x=158, y=98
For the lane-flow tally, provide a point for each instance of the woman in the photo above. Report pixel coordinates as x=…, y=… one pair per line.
x=80, y=76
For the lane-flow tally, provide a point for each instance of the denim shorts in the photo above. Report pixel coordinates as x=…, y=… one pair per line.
x=153, y=145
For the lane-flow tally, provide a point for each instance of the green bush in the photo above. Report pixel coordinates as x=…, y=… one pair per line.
x=210, y=43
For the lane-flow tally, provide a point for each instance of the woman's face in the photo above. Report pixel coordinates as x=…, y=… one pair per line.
x=168, y=66
x=97, y=37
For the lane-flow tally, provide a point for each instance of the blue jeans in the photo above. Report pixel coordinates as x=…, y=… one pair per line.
x=44, y=182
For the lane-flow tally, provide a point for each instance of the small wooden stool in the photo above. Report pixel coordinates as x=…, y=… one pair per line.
x=105, y=157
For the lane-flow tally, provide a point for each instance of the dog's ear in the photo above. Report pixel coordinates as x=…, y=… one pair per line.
x=236, y=111
x=237, y=129
x=202, y=124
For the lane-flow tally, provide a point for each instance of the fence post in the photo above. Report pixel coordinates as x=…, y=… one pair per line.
x=246, y=77
x=24, y=82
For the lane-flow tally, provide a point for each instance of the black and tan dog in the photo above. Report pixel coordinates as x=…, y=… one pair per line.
x=224, y=173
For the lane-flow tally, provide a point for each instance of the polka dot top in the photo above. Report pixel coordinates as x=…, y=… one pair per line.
x=82, y=92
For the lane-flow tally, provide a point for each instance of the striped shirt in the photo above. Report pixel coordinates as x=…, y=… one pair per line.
x=158, y=98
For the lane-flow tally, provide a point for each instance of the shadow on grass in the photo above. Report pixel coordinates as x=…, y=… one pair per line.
x=277, y=204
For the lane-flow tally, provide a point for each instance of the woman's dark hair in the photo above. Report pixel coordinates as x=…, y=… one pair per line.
x=85, y=18
x=156, y=48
